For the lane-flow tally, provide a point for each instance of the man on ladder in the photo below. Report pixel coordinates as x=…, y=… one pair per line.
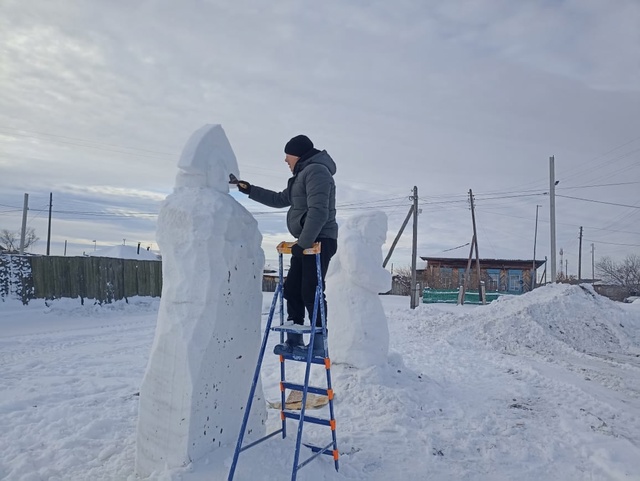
x=311, y=197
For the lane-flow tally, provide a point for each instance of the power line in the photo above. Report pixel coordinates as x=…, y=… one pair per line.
x=583, y=171
x=599, y=201
x=386, y=199
x=598, y=185
x=454, y=248
x=612, y=243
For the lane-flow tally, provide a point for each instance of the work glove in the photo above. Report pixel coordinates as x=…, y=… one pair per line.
x=244, y=187
x=297, y=251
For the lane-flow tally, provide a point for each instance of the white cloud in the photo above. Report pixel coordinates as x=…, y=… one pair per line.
x=594, y=42
x=446, y=96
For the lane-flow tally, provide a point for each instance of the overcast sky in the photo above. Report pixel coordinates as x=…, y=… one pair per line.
x=98, y=98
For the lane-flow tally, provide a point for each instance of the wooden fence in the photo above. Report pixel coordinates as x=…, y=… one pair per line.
x=103, y=279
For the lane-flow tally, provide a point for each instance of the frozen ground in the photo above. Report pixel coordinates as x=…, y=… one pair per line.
x=545, y=386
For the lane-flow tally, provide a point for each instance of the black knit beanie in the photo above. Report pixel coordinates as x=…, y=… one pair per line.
x=298, y=146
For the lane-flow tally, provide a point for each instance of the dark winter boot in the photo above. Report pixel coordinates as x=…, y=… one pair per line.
x=300, y=352
x=293, y=340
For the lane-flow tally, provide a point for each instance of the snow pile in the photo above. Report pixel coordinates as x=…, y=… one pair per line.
x=125, y=252
x=447, y=406
x=70, y=307
x=61, y=314
x=554, y=318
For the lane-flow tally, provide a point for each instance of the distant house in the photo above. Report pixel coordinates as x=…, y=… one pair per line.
x=499, y=275
x=271, y=277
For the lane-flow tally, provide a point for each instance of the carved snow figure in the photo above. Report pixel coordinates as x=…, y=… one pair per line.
x=208, y=333
x=358, y=333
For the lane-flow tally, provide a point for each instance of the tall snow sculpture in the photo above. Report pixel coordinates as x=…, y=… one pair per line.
x=358, y=330
x=208, y=332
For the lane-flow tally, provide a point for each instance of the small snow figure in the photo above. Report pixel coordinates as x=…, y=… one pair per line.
x=208, y=333
x=359, y=335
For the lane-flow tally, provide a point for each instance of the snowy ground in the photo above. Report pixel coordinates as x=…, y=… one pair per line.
x=545, y=386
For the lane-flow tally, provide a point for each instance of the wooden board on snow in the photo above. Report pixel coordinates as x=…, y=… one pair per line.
x=294, y=401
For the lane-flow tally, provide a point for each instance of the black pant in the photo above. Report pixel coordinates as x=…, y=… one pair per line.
x=300, y=285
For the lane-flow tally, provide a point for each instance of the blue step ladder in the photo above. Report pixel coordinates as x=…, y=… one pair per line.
x=331, y=448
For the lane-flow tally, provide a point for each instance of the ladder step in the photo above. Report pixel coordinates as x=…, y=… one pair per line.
x=300, y=387
x=317, y=449
x=296, y=328
x=307, y=419
x=314, y=360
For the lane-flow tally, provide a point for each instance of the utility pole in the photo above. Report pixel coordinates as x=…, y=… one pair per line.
x=552, y=215
x=413, y=210
x=561, y=262
x=580, y=257
x=23, y=232
x=414, y=250
x=475, y=245
x=49, y=230
x=535, y=238
x=593, y=271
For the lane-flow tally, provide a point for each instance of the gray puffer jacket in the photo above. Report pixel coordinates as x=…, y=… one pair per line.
x=311, y=195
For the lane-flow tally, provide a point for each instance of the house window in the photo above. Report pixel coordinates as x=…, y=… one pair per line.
x=515, y=280
x=493, y=280
x=446, y=274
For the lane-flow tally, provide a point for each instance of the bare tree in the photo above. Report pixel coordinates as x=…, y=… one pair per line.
x=10, y=240
x=402, y=280
x=625, y=273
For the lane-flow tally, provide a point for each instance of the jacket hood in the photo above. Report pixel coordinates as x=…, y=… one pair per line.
x=320, y=157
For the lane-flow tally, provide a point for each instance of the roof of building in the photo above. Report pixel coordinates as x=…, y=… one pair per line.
x=484, y=263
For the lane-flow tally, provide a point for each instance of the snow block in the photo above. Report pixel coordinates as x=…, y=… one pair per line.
x=358, y=328
x=208, y=332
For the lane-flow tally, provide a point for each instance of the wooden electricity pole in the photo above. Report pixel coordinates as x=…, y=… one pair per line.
x=414, y=251
x=552, y=217
x=465, y=282
x=413, y=211
x=49, y=230
x=395, y=241
x=534, y=272
x=580, y=257
x=23, y=232
x=475, y=245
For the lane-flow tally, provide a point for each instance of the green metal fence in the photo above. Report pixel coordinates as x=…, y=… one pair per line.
x=450, y=296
